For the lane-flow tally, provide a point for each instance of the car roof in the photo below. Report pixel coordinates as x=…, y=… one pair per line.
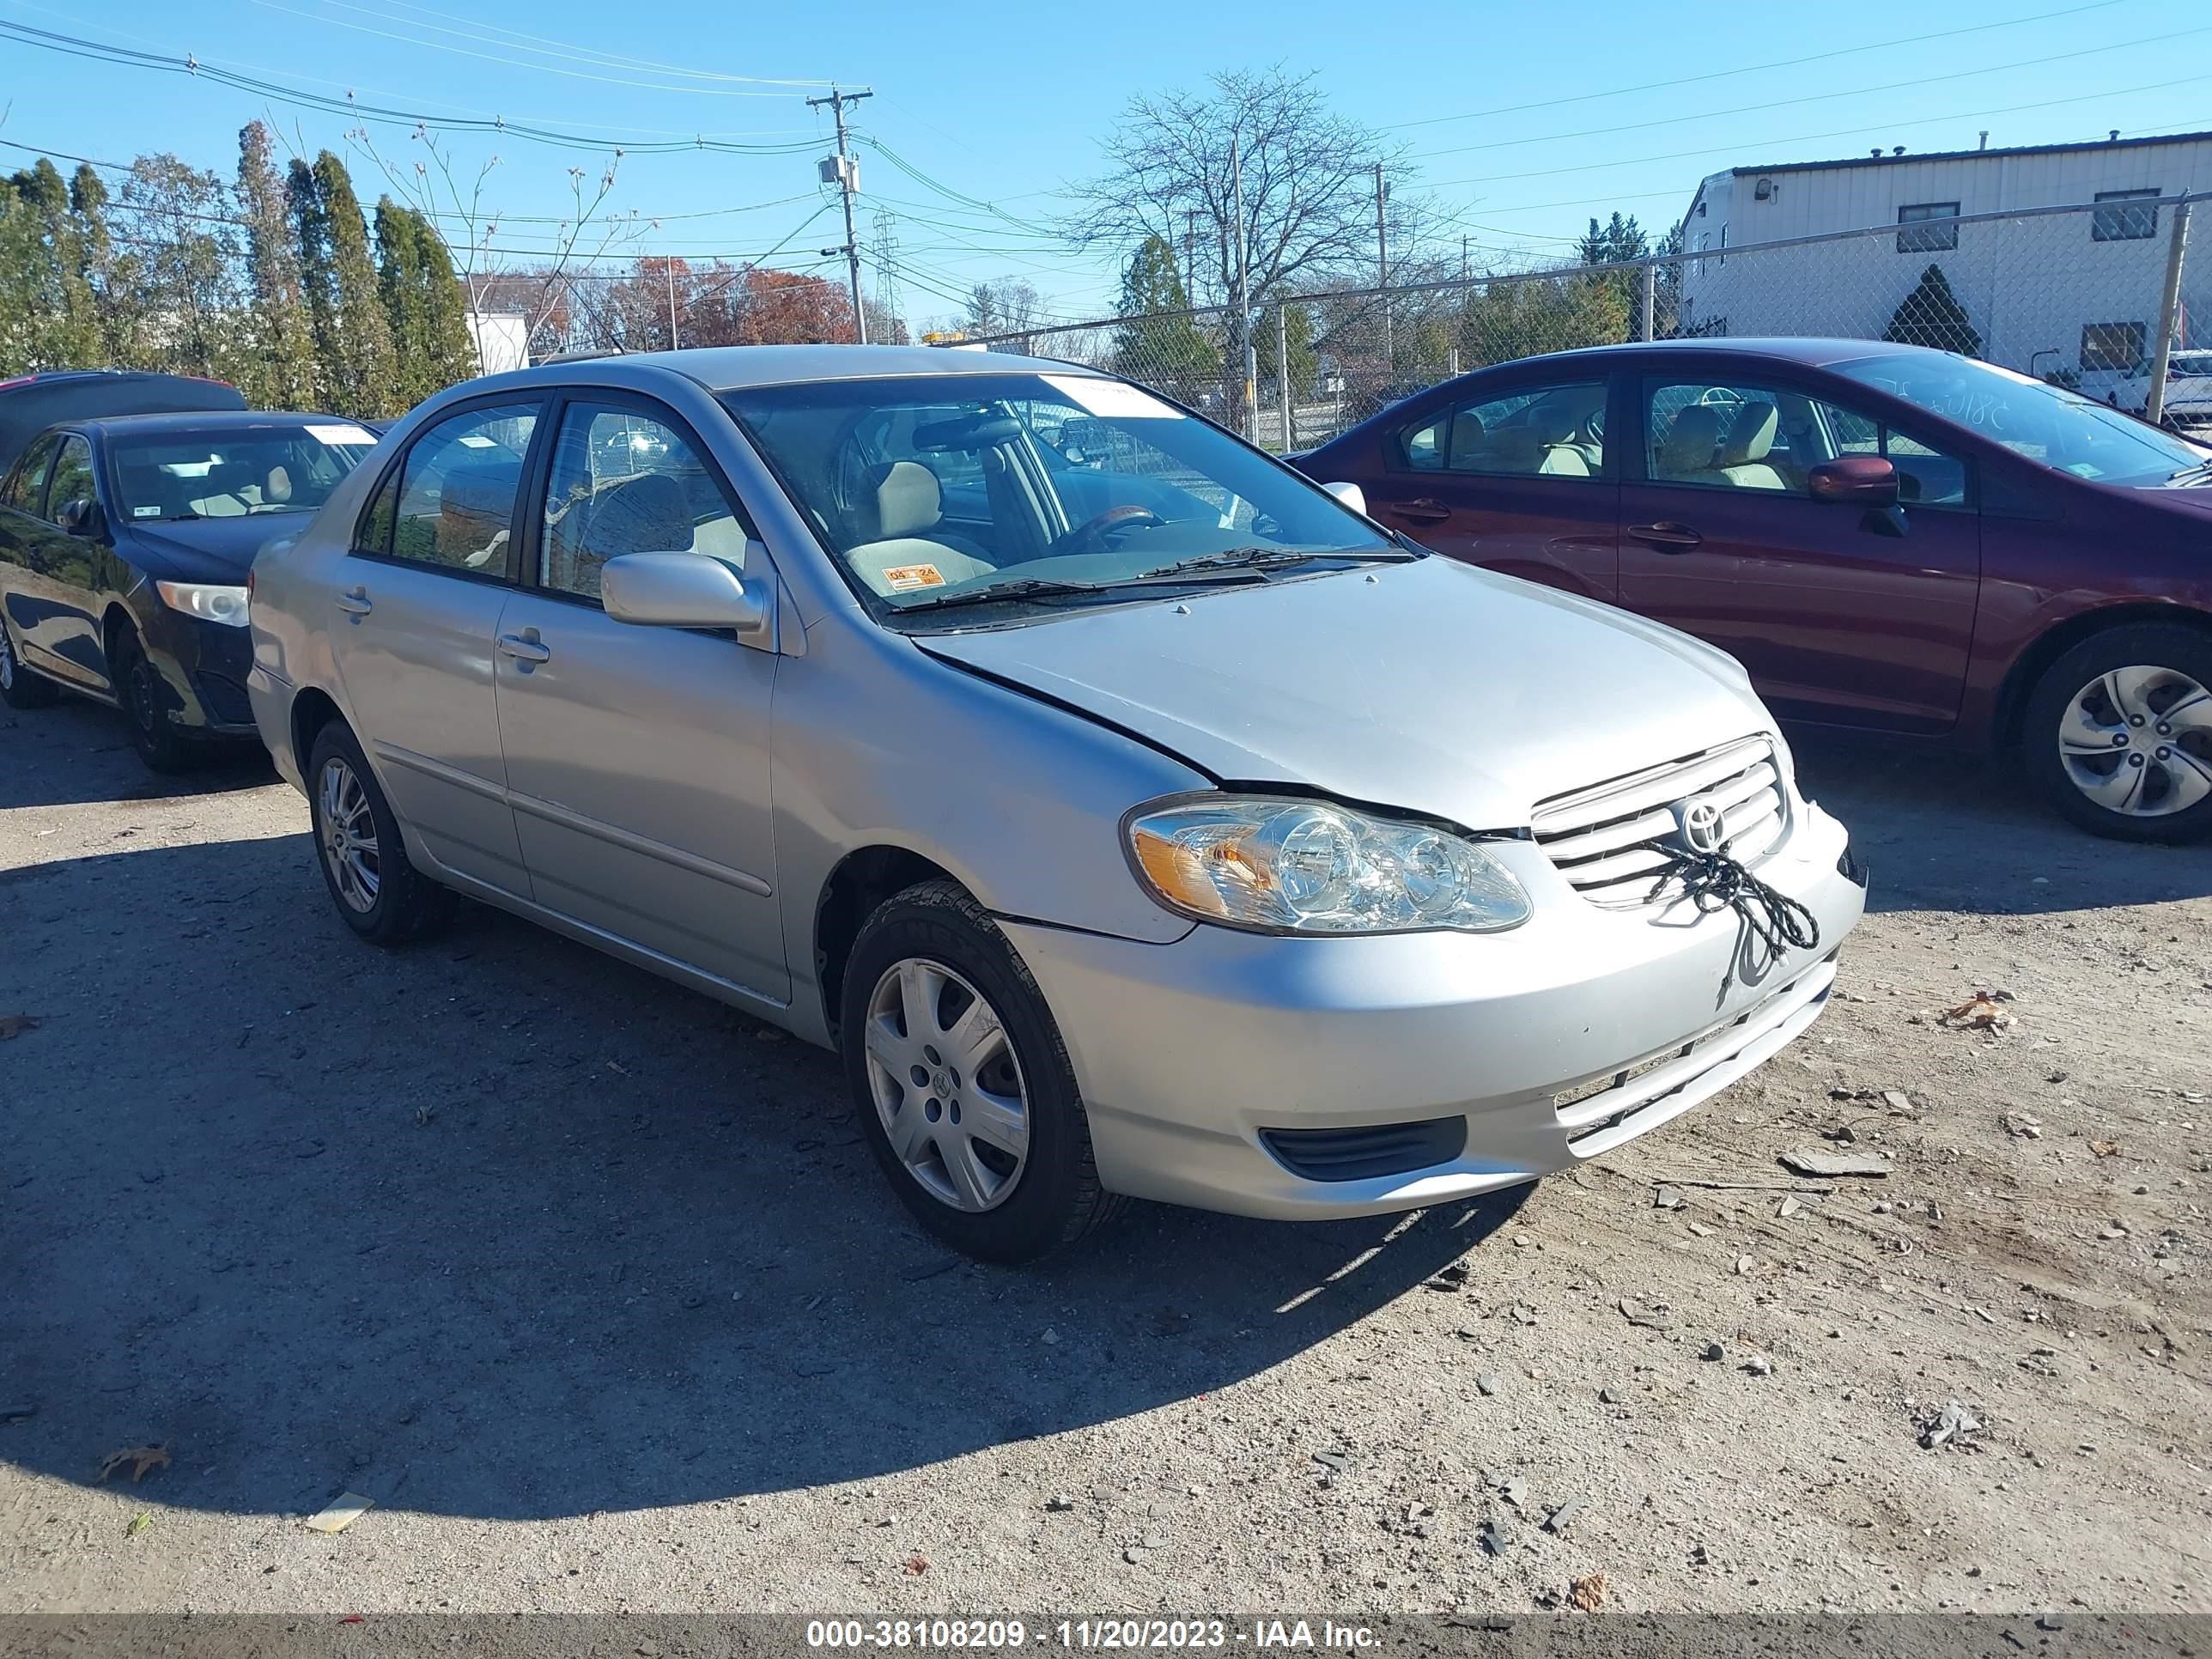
x=32, y=403
x=1810, y=351
x=202, y=420
x=732, y=368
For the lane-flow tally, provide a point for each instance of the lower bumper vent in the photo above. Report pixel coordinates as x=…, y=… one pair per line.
x=1369, y=1152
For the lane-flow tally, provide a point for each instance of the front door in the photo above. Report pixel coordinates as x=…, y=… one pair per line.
x=637, y=758
x=46, y=572
x=1518, y=481
x=417, y=608
x=1862, y=618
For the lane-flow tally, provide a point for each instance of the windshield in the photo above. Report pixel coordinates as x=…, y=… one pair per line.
x=2062, y=430
x=278, y=468
x=1028, y=490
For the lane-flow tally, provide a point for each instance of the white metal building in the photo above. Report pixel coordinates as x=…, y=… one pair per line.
x=2075, y=294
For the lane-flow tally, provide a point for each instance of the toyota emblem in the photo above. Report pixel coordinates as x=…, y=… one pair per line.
x=1700, y=823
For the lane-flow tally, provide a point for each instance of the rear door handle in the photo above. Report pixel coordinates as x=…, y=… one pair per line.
x=1421, y=511
x=354, y=602
x=523, y=650
x=1666, y=538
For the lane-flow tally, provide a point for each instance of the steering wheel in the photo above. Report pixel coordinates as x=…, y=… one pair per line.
x=1090, y=536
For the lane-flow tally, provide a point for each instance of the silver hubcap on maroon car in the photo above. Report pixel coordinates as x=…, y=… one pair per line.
x=2138, y=741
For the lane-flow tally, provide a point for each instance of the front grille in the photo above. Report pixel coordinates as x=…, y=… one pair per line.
x=1362, y=1154
x=1593, y=835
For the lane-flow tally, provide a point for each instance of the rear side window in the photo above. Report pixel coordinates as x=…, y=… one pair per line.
x=457, y=491
x=1552, y=432
x=373, y=533
x=26, y=488
x=72, y=478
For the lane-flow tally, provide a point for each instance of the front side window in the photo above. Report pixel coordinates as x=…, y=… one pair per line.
x=2132, y=218
x=1765, y=438
x=623, y=482
x=234, y=473
x=456, y=505
x=26, y=488
x=930, y=489
x=72, y=478
x=1921, y=227
x=1551, y=432
x=2046, y=424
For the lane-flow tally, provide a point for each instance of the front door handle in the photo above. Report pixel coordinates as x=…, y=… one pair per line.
x=1421, y=511
x=524, y=648
x=1666, y=538
x=354, y=602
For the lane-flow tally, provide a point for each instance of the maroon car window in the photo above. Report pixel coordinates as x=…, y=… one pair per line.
x=1552, y=432
x=1729, y=436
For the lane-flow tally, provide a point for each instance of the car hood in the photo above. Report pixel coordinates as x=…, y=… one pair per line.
x=1431, y=686
x=203, y=549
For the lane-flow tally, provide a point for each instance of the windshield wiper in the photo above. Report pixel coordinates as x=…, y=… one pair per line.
x=1234, y=559
x=2188, y=475
x=1021, y=587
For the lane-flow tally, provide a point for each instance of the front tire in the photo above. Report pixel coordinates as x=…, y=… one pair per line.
x=19, y=687
x=961, y=1083
x=140, y=690
x=2117, y=734
x=378, y=892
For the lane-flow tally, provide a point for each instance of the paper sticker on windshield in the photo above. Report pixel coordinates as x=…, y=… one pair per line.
x=903, y=578
x=475, y=440
x=145, y=512
x=343, y=434
x=1116, y=400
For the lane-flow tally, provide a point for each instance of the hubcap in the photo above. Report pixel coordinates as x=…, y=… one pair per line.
x=2138, y=741
x=947, y=1087
x=347, y=829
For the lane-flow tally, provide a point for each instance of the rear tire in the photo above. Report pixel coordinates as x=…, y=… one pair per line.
x=2117, y=734
x=22, y=687
x=140, y=690
x=378, y=894
x=960, y=1181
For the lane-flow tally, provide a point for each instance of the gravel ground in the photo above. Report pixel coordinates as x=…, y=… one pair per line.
x=589, y=1283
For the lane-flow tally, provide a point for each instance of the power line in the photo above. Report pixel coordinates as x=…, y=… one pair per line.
x=1751, y=69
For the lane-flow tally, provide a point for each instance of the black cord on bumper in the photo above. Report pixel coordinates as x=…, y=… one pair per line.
x=1714, y=882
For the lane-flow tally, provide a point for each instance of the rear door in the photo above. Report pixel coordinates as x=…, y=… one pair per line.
x=1519, y=479
x=1839, y=614
x=34, y=608
x=414, y=611
x=69, y=568
x=638, y=758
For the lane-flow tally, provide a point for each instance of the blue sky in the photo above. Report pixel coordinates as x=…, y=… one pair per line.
x=1524, y=120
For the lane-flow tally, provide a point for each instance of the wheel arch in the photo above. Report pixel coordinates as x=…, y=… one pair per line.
x=861, y=881
x=2027, y=668
x=312, y=709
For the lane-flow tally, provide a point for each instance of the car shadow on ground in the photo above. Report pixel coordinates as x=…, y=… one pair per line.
x=78, y=752
x=1944, y=831
x=498, y=1227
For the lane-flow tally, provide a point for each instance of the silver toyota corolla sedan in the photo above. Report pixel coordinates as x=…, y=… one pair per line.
x=1133, y=816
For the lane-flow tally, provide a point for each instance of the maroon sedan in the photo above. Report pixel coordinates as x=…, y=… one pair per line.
x=1887, y=537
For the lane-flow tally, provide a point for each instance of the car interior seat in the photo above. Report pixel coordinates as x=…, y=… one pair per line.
x=1740, y=459
x=647, y=513
x=474, y=506
x=1685, y=454
x=908, y=508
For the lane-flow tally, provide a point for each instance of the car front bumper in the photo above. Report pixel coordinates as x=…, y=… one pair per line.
x=204, y=666
x=1484, y=1061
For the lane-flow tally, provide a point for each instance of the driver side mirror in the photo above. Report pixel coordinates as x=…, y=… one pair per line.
x=80, y=517
x=1854, y=481
x=1351, y=495
x=692, y=590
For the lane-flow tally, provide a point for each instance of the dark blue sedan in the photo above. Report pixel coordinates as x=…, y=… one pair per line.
x=125, y=546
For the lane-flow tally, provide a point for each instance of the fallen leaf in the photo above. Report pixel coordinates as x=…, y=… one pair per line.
x=139, y=1522
x=2104, y=1148
x=141, y=1458
x=1980, y=1012
x=916, y=1565
x=15, y=1024
x=1587, y=1594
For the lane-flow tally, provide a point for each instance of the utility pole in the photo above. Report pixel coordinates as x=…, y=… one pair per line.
x=668, y=270
x=1383, y=266
x=1251, y=363
x=843, y=170
x=2169, y=314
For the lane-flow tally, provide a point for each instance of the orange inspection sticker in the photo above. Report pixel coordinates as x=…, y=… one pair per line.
x=901, y=577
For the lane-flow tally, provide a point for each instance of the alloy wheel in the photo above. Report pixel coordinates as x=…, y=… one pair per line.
x=947, y=1086
x=347, y=829
x=2138, y=741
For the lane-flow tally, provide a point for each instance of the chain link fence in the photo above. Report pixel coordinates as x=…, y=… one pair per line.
x=2096, y=297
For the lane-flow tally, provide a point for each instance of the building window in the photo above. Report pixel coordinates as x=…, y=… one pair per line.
x=2124, y=223
x=2113, y=345
x=1918, y=232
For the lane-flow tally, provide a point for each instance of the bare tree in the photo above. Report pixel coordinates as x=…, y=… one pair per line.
x=1180, y=162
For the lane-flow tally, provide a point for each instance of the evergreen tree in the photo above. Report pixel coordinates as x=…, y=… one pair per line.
x=449, y=348
x=399, y=287
x=95, y=251
x=1169, y=352
x=1297, y=333
x=63, y=330
x=364, y=381
x=283, y=364
x=1931, y=316
x=318, y=287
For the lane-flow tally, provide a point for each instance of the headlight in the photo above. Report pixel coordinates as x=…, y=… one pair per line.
x=206, y=601
x=1278, y=865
